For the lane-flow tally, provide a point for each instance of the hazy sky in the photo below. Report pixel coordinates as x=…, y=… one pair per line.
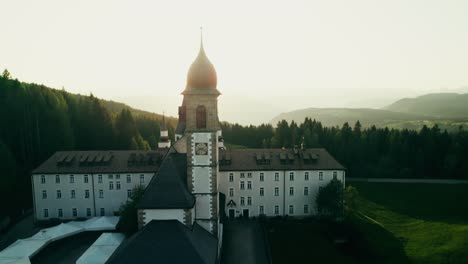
x=271, y=56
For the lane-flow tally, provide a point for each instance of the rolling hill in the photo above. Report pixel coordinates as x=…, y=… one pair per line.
x=447, y=110
x=439, y=105
x=338, y=116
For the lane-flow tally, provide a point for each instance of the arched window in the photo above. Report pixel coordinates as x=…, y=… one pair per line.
x=201, y=116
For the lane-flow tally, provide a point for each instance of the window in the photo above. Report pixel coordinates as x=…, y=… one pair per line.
x=231, y=177
x=110, y=177
x=103, y=212
x=57, y=178
x=59, y=194
x=100, y=178
x=231, y=192
x=129, y=178
x=291, y=191
x=261, y=210
x=43, y=180
x=291, y=209
x=262, y=176
x=117, y=176
x=72, y=179
x=129, y=193
x=44, y=194
x=249, y=200
x=306, y=208
x=276, y=176
x=88, y=212
x=242, y=201
x=74, y=212
x=60, y=212
x=249, y=175
x=306, y=176
x=101, y=194
x=86, y=194
x=46, y=212
x=72, y=194
x=242, y=185
x=320, y=175
x=242, y=175
x=142, y=179
x=249, y=185
x=111, y=185
x=306, y=190
x=201, y=116
x=117, y=185
x=291, y=176
x=86, y=179
x=335, y=174
x=276, y=210
x=276, y=191
x=262, y=191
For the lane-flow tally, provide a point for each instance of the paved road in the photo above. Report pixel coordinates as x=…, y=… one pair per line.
x=407, y=180
x=244, y=243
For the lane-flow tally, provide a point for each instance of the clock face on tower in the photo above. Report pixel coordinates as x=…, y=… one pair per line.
x=201, y=148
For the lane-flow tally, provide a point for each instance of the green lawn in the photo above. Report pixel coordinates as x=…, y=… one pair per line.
x=395, y=223
x=429, y=220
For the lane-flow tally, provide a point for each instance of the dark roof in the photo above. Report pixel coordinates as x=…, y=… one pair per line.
x=100, y=161
x=168, y=188
x=167, y=241
x=180, y=129
x=277, y=159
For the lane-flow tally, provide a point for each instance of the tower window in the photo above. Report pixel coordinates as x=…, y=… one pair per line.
x=201, y=116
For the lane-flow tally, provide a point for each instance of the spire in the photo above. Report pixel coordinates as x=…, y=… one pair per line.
x=201, y=74
x=201, y=38
x=163, y=126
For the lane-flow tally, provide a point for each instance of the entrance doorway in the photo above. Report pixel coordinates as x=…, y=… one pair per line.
x=232, y=213
x=245, y=213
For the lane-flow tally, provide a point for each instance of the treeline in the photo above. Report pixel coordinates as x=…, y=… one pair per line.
x=36, y=121
x=372, y=152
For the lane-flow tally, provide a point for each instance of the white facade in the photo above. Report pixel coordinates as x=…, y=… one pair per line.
x=163, y=214
x=274, y=193
x=69, y=196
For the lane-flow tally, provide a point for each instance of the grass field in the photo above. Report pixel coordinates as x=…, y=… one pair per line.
x=395, y=223
x=429, y=220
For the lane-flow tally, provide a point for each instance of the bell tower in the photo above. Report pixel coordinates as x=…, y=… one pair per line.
x=199, y=124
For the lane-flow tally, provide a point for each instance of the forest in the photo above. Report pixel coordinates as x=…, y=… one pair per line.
x=368, y=153
x=36, y=121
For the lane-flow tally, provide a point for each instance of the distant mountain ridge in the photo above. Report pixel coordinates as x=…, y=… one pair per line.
x=448, y=110
x=439, y=105
x=338, y=116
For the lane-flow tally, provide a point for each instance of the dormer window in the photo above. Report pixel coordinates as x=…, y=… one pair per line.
x=201, y=116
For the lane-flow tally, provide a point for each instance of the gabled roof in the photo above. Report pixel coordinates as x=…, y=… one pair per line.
x=168, y=188
x=102, y=161
x=277, y=159
x=167, y=241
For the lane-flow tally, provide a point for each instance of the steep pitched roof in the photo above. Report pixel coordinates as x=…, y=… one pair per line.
x=168, y=188
x=277, y=159
x=167, y=241
x=102, y=161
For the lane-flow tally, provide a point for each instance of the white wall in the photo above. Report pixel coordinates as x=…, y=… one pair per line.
x=111, y=202
x=203, y=206
x=269, y=200
x=163, y=214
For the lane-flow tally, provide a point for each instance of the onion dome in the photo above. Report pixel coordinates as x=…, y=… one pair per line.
x=201, y=76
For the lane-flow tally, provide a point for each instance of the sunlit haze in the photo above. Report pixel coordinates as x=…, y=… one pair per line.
x=270, y=56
